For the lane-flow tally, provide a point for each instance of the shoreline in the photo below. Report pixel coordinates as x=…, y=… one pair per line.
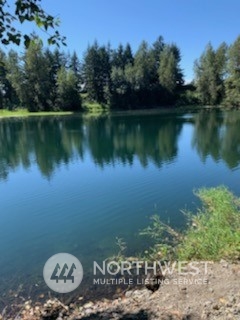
x=218, y=298
x=24, y=113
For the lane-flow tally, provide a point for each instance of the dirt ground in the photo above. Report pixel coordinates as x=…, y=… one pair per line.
x=214, y=293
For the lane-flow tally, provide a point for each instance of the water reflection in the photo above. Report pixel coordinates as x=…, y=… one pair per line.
x=50, y=142
x=121, y=139
x=218, y=135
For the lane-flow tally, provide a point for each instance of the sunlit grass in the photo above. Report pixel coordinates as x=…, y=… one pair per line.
x=213, y=232
x=25, y=113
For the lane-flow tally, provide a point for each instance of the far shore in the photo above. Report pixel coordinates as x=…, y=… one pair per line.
x=25, y=113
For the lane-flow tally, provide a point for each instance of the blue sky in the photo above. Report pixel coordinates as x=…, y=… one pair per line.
x=191, y=24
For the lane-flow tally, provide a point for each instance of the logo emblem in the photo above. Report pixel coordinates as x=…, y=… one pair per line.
x=63, y=272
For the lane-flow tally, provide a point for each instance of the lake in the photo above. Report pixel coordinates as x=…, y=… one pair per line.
x=74, y=184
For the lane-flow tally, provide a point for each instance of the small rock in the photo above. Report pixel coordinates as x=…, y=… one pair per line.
x=128, y=294
x=88, y=305
x=216, y=307
x=115, y=315
x=115, y=302
x=232, y=299
x=224, y=263
x=207, y=303
x=88, y=311
x=235, y=311
x=137, y=293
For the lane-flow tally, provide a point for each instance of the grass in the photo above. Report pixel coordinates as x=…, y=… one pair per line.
x=25, y=113
x=213, y=233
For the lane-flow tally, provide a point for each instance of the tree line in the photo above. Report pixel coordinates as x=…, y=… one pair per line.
x=217, y=75
x=39, y=80
x=44, y=80
x=119, y=79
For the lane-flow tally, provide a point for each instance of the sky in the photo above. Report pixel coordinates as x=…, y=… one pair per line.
x=191, y=24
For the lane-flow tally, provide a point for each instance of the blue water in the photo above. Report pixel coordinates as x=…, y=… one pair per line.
x=73, y=185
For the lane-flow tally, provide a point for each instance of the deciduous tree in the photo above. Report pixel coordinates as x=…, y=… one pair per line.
x=22, y=11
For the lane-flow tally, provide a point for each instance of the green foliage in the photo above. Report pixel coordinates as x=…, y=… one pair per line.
x=233, y=81
x=96, y=72
x=187, y=97
x=210, y=71
x=159, y=230
x=122, y=247
x=169, y=72
x=126, y=81
x=5, y=87
x=37, y=82
x=213, y=233
x=15, y=76
x=122, y=56
x=92, y=107
x=40, y=80
x=26, y=10
x=68, y=97
x=143, y=67
x=164, y=237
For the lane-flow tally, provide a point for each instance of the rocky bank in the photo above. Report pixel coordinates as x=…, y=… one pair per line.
x=214, y=294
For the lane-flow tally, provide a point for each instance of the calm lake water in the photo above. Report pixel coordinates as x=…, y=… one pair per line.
x=69, y=184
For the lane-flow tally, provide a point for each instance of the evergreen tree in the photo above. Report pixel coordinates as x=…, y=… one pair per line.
x=210, y=74
x=68, y=98
x=169, y=72
x=4, y=84
x=75, y=66
x=128, y=56
x=37, y=82
x=97, y=69
x=118, y=59
x=143, y=67
x=15, y=77
x=233, y=81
